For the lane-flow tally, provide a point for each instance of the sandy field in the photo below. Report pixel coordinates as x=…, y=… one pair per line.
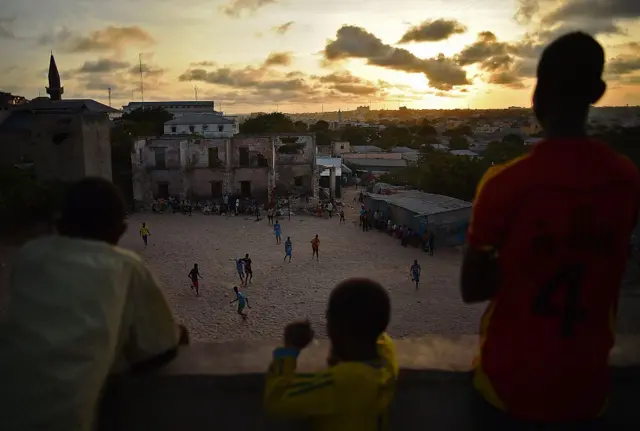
x=282, y=291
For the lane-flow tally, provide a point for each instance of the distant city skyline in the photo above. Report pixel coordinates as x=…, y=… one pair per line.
x=296, y=56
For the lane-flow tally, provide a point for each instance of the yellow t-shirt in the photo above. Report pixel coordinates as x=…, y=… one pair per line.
x=144, y=231
x=78, y=310
x=350, y=396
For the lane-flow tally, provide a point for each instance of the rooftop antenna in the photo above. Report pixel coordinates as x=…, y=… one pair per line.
x=195, y=89
x=141, y=80
x=109, y=96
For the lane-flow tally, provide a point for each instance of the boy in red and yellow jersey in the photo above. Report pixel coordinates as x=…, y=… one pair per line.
x=548, y=246
x=355, y=392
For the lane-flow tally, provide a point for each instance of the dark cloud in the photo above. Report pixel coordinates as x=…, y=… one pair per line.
x=283, y=29
x=622, y=65
x=111, y=38
x=5, y=28
x=449, y=95
x=203, y=64
x=265, y=83
x=235, y=8
x=102, y=65
x=361, y=90
x=279, y=59
x=593, y=9
x=503, y=63
x=242, y=78
x=345, y=82
x=356, y=42
x=147, y=70
x=507, y=78
x=339, y=78
x=433, y=31
x=497, y=62
x=485, y=47
x=596, y=17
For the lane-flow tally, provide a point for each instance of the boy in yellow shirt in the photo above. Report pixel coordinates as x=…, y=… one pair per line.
x=355, y=392
x=144, y=233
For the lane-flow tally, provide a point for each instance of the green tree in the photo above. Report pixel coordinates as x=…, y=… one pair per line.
x=301, y=126
x=145, y=122
x=320, y=126
x=442, y=173
x=514, y=139
x=275, y=122
x=394, y=136
x=500, y=152
x=463, y=130
x=356, y=135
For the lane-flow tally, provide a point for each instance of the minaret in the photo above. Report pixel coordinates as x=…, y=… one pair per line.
x=339, y=116
x=55, y=89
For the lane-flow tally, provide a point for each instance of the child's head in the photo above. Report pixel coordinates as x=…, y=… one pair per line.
x=235, y=289
x=195, y=265
x=93, y=209
x=143, y=224
x=358, y=312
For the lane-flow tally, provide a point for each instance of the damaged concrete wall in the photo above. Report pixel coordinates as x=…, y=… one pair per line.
x=295, y=157
x=96, y=145
x=206, y=167
x=251, y=160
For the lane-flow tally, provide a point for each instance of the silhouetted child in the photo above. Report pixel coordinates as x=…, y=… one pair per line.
x=194, y=274
x=355, y=392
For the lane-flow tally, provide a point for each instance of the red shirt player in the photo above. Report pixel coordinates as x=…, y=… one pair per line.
x=548, y=246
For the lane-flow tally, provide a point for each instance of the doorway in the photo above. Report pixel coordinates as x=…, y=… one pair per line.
x=245, y=189
x=163, y=190
x=216, y=189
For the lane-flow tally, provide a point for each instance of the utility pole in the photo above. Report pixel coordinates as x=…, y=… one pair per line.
x=141, y=81
x=110, y=97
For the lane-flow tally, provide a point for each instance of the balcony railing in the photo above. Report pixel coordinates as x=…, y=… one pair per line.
x=218, y=386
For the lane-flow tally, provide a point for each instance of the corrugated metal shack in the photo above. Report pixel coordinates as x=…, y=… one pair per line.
x=448, y=217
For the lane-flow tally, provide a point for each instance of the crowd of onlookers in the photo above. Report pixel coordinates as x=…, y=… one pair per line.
x=378, y=220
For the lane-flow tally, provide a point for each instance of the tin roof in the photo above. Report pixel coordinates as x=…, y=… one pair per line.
x=422, y=203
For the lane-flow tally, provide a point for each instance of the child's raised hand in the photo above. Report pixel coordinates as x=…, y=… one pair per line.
x=298, y=335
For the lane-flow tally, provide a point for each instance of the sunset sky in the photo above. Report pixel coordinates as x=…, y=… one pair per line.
x=297, y=55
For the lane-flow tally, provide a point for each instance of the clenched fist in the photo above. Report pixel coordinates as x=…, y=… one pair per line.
x=298, y=335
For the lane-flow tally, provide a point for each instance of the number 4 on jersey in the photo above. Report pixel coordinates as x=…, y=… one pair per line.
x=570, y=279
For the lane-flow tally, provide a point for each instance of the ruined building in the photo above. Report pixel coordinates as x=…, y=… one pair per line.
x=60, y=140
x=262, y=167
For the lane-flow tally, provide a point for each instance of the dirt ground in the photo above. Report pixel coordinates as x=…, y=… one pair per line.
x=283, y=291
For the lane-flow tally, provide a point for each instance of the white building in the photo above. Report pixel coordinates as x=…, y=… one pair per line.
x=208, y=125
x=177, y=108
